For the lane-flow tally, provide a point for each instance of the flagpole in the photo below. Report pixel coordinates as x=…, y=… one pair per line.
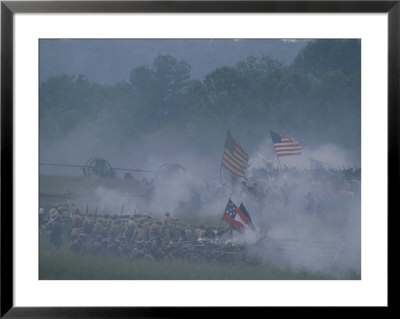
x=219, y=226
x=220, y=169
x=279, y=167
x=279, y=162
x=222, y=218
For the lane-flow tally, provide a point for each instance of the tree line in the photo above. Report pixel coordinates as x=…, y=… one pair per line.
x=316, y=98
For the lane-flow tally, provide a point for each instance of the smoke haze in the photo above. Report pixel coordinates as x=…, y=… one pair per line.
x=306, y=209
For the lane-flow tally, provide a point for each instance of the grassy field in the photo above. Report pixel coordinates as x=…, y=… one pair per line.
x=62, y=264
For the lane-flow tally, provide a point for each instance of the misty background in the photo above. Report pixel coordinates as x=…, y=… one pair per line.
x=142, y=103
x=159, y=108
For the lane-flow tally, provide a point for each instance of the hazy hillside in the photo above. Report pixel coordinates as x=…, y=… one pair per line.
x=106, y=63
x=160, y=111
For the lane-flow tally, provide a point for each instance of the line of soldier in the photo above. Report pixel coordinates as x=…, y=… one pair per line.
x=139, y=236
x=322, y=189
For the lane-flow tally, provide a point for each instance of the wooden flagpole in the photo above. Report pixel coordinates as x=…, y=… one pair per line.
x=220, y=169
x=122, y=209
x=279, y=167
x=222, y=218
x=279, y=162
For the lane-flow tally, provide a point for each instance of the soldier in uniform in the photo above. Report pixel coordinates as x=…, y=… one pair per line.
x=56, y=231
x=43, y=217
x=309, y=203
x=87, y=225
x=139, y=234
x=53, y=213
x=156, y=230
x=116, y=228
x=77, y=245
x=75, y=233
x=188, y=233
x=166, y=226
x=199, y=232
x=77, y=218
x=131, y=225
x=99, y=228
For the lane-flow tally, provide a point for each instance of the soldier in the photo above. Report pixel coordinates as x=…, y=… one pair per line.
x=99, y=245
x=71, y=209
x=77, y=218
x=87, y=225
x=199, y=232
x=77, y=245
x=99, y=229
x=310, y=204
x=116, y=228
x=75, y=233
x=188, y=233
x=137, y=253
x=166, y=226
x=43, y=217
x=53, y=213
x=56, y=232
x=156, y=229
x=139, y=235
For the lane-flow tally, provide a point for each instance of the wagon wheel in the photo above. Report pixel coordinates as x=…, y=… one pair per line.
x=98, y=167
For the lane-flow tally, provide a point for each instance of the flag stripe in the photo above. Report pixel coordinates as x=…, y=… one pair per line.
x=240, y=156
x=235, y=160
x=233, y=222
x=285, y=145
x=233, y=164
x=288, y=154
x=231, y=169
x=288, y=149
x=239, y=149
x=243, y=216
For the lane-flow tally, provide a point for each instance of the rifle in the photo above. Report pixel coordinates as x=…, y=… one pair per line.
x=122, y=209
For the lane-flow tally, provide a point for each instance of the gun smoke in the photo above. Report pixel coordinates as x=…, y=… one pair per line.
x=306, y=209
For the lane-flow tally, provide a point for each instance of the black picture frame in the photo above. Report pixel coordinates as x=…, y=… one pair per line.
x=9, y=8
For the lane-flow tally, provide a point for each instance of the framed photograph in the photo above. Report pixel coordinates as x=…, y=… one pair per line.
x=163, y=157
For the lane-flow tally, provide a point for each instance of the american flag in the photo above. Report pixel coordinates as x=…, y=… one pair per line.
x=285, y=145
x=235, y=159
x=237, y=216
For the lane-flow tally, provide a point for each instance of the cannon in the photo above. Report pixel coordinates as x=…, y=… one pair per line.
x=98, y=167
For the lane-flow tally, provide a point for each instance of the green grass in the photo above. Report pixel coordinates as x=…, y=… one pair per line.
x=85, y=185
x=64, y=265
x=61, y=264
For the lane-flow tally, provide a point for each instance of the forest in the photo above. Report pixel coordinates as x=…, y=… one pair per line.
x=315, y=98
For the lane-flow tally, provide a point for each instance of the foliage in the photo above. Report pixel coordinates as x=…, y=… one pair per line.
x=317, y=98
